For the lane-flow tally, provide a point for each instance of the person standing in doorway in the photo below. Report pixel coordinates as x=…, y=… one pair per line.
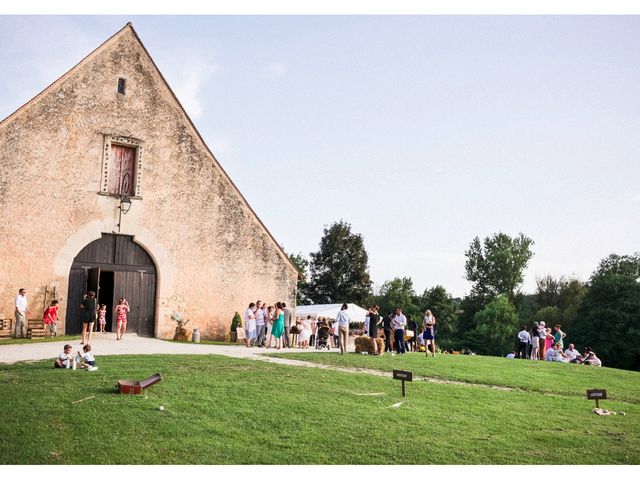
x=122, y=310
x=22, y=309
x=343, y=319
x=399, y=323
x=286, y=340
x=88, y=311
x=261, y=327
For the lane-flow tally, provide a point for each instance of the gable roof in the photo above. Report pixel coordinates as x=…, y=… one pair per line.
x=129, y=28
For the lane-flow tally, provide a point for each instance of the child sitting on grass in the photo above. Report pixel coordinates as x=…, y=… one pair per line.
x=86, y=359
x=65, y=359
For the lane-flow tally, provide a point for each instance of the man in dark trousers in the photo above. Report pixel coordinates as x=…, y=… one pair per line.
x=388, y=332
x=287, y=326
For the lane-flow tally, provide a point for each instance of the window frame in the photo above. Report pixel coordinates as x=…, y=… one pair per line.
x=124, y=141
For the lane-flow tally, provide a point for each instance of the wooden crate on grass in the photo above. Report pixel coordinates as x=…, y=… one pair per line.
x=35, y=328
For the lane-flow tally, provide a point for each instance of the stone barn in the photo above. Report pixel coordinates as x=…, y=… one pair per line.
x=108, y=186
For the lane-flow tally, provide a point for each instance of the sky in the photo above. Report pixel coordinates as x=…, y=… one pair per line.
x=422, y=132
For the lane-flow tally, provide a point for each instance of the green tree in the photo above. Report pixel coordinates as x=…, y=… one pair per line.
x=548, y=291
x=445, y=309
x=550, y=316
x=496, y=328
x=527, y=306
x=395, y=293
x=496, y=266
x=609, y=314
x=303, y=285
x=339, y=270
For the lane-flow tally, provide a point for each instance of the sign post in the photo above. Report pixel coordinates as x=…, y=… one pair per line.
x=597, y=395
x=405, y=377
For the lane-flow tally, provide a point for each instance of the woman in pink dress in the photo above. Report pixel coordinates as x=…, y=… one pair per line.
x=121, y=318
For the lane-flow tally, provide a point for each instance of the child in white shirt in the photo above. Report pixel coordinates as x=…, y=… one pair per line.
x=65, y=359
x=87, y=360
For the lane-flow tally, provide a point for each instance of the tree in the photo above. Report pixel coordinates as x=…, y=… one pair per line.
x=395, y=293
x=302, y=264
x=548, y=291
x=445, y=309
x=496, y=327
x=339, y=270
x=496, y=266
x=610, y=312
x=550, y=316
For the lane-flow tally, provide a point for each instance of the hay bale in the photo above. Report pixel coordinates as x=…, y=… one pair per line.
x=363, y=344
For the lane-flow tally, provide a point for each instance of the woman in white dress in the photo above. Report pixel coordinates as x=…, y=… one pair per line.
x=250, y=324
x=305, y=333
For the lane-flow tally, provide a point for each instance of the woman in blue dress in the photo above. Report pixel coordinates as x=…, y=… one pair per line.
x=278, y=325
x=428, y=334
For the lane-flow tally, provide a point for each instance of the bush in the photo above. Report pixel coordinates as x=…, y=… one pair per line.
x=236, y=322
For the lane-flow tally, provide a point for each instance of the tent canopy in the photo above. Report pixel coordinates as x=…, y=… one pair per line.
x=356, y=313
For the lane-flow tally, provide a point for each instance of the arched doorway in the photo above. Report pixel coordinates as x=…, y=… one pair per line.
x=114, y=266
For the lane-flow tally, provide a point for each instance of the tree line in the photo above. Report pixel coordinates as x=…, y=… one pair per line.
x=603, y=312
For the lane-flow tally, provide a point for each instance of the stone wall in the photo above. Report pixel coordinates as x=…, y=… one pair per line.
x=212, y=254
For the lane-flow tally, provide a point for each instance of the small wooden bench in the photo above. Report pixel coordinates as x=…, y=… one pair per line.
x=5, y=328
x=35, y=328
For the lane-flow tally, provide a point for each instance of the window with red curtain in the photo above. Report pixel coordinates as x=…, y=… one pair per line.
x=122, y=170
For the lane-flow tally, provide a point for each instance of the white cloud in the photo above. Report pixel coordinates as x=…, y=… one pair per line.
x=276, y=70
x=189, y=83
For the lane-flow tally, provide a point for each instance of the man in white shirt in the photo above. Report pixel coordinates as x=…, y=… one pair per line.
x=398, y=323
x=343, y=319
x=524, y=339
x=261, y=326
x=22, y=309
x=571, y=352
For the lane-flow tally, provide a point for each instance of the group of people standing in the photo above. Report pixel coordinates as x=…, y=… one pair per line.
x=396, y=327
x=90, y=311
x=267, y=326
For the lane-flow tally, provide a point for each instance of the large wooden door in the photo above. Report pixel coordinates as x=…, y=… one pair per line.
x=134, y=278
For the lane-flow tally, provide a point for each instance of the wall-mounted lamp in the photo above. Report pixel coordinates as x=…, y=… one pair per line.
x=125, y=200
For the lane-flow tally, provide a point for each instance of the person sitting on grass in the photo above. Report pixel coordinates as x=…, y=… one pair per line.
x=511, y=355
x=590, y=358
x=572, y=353
x=558, y=356
x=87, y=360
x=65, y=359
x=548, y=356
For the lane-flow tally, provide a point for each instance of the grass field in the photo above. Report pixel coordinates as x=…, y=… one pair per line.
x=220, y=410
x=543, y=377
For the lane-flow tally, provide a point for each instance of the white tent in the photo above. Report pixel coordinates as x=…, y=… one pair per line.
x=356, y=313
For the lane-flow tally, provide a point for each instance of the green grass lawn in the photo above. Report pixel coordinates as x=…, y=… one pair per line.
x=544, y=377
x=59, y=338
x=220, y=410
